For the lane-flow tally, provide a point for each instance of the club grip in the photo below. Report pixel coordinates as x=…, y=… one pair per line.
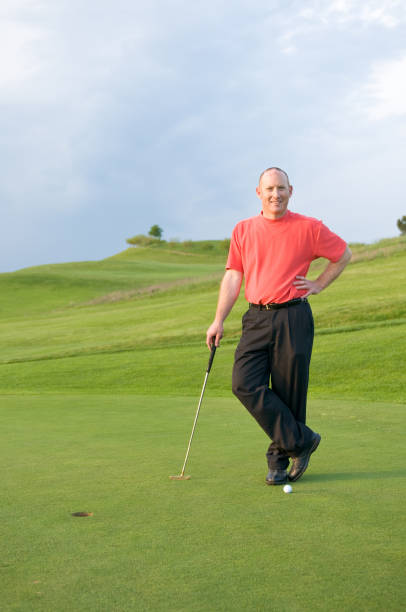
x=213, y=352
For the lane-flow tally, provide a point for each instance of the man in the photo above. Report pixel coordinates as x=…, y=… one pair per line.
x=273, y=251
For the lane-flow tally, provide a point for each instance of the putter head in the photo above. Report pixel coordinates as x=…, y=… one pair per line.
x=180, y=477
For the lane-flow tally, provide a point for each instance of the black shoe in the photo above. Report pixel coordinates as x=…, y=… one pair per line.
x=276, y=477
x=300, y=463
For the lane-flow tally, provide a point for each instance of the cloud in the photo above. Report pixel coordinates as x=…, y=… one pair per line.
x=81, y=97
x=317, y=16
x=383, y=95
x=63, y=81
x=16, y=64
x=385, y=13
x=165, y=112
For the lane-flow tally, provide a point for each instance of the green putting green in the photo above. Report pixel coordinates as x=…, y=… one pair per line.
x=223, y=540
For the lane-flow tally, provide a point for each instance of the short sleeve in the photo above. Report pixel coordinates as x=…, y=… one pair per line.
x=328, y=244
x=234, y=261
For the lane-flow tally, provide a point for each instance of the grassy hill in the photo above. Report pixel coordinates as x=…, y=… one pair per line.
x=101, y=367
x=117, y=322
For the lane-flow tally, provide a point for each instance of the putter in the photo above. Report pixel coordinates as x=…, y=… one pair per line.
x=182, y=474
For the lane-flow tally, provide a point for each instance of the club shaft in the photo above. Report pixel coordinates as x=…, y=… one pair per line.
x=195, y=421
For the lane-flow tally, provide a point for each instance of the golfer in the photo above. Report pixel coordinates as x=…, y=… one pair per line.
x=273, y=251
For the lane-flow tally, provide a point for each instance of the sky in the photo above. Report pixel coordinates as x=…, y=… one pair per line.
x=117, y=115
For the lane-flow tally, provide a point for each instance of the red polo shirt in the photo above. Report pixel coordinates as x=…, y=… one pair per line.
x=271, y=253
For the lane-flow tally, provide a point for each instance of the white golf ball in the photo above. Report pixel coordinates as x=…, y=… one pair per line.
x=287, y=489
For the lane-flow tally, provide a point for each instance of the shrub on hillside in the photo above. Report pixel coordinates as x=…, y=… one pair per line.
x=207, y=246
x=173, y=243
x=225, y=244
x=142, y=240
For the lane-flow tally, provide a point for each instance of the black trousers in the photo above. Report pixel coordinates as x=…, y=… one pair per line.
x=275, y=349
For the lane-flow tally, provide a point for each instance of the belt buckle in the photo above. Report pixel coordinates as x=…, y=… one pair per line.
x=268, y=307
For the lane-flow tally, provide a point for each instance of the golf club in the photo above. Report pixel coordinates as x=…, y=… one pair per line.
x=182, y=474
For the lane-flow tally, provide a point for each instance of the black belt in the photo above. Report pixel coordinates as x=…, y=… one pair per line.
x=275, y=306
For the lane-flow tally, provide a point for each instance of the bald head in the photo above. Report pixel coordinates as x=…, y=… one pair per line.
x=274, y=168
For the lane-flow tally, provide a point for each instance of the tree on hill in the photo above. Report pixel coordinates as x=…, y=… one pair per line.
x=401, y=223
x=156, y=232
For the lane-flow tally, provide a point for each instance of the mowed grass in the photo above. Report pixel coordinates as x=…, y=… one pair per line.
x=112, y=340
x=101, y=368
x=41, y=289
x=344, y=365
x=222, y=540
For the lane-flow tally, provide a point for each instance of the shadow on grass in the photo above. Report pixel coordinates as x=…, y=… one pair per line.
x=355, y=475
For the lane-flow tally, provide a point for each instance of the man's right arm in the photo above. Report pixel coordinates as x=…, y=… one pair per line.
x=229, y=291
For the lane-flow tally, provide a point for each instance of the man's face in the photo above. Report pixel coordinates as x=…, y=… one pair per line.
x=274, y=192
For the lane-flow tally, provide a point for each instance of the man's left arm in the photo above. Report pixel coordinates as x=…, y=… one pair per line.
x=329, y=274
